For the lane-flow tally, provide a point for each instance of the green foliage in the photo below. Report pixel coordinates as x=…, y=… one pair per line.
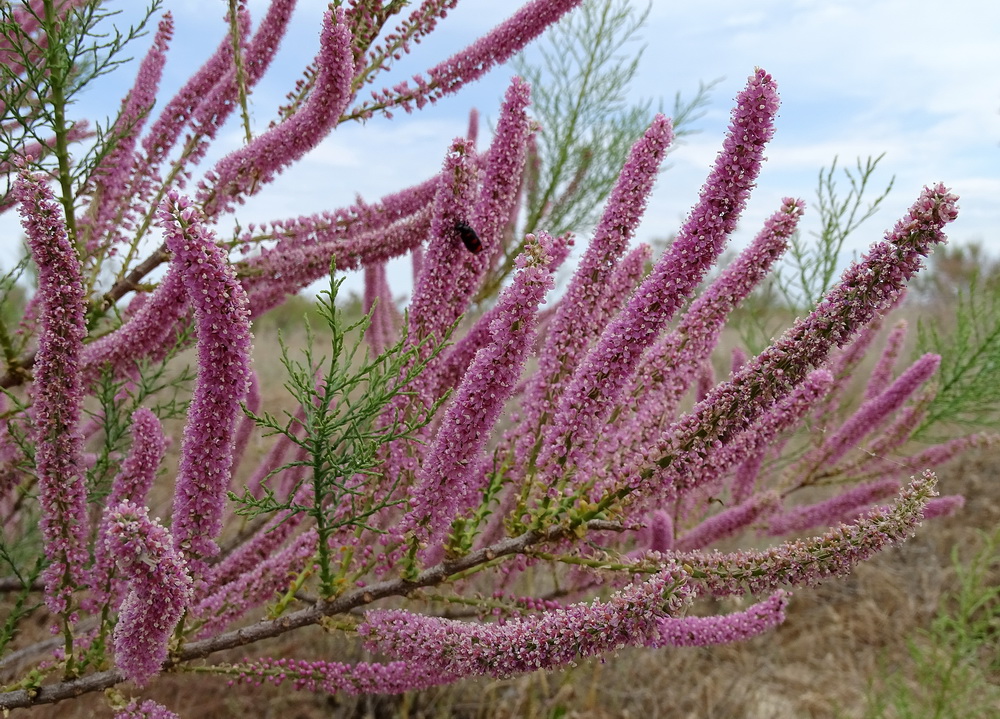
x=157, y=385
x=954, y=670
x=21, y=608
x=951, y=268
x=968, y=393
x=341, y=398
x=810, y=267
x=579, y=96
x=70, y=49
x=13, y=299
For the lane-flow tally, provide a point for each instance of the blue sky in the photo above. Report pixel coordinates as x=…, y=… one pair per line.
x=916, y=80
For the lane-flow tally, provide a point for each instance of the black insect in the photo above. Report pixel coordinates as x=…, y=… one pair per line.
x=469, y=238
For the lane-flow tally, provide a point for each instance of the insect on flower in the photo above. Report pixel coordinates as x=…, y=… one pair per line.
x=469, y=238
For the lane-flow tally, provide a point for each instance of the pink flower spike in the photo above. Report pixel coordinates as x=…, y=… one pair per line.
x=442, y=290
x=58, y=395
x=875, y=410
x=447, y=481
x=750, y=447
x=261, y=583
x=145, y=710
x=130, y=484
x=220, y=101
x=177, y=113
x=599, y=381
x=807, y=561
x=342, y=678
x=739, y=626
x=835, y=509
x=138, y=470
x=115, y=171
x=661, y=532
x=555, y=638
x=728, y=522
x=881, y=375
x=223, y=324
x=385, y=321
x=159, y=589
x=495, y=48
x=149, y=332
x=502, y=172
x=669, y=367
x=944, y=506
x=588, y=303
x=865, y=290
x=241, y=173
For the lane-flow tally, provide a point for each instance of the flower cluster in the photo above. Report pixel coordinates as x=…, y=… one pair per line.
x=577, y=436
x=145, y=710
x=555, y=638
x=219, y=302
x=159, y=589
x=58, y=393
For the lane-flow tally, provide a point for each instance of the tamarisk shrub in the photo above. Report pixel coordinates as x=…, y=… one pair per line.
x=525, y=493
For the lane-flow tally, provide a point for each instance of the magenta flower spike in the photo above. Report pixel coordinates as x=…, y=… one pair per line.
x=216, y=105
x=440, y=293
x=944, y=506
x=58, y=394
x=448, y=482
x=115, y=171
x=460, y=355
x=671, y=365
x=881, y=375
x=835, y=509
x=246, y=424
x=243, y=172
x=807, y=561
x=865, y=290
x=149, y=333
x=940, y=453
x=159, y=589
x=586, y=305
x=347, y=223
x=661, y=532
x=599, y=381
x=503, y=167
x=249, y=555
x=342, y=678
x=728, y=522
x=288, y=270
x=259, y=584
x=223, y=326
x=495, y=48
x=140, y=466
x=208, y=99
x=177, y=113
x=131, y=484
x=145, y=710
x=748, y=450
x=472, y=134
x=736, y=627
x=555, y=638
x=384, y=329
x=875, y=410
